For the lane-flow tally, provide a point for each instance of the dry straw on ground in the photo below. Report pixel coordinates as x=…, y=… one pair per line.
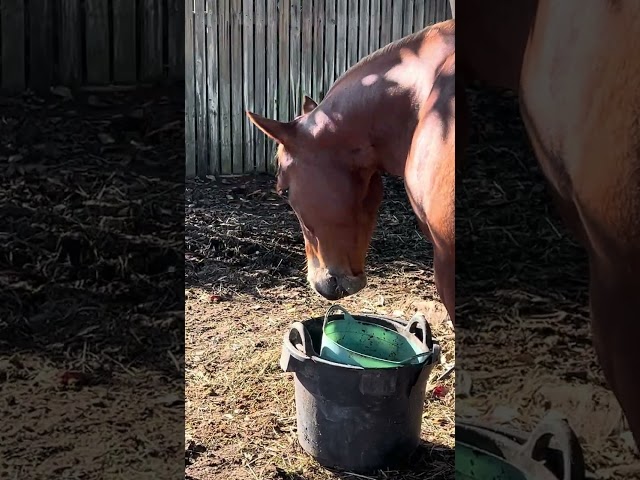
x=90, y=364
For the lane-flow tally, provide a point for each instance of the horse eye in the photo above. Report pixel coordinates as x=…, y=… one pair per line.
x=284, y=193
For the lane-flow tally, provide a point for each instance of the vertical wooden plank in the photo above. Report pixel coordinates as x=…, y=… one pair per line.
x=175, y=37
x=190, y=94
x=407, y=21
x=151, y=55
x=363, y=40
x=248, y=84
x=341, y=37
x=272, y=76
x=124, y=40
x=13, y=54
x=295, y=59
x=201, y=90
x=283, y=56
x=352, y=32
x=69, y=46
x=318, y=51
x=237, y=113
x=446, y=10
x=224, y=79
x=374, y=26
x=387, y=22
x=41, y=51
x=259, y=106
x=396, y=28
x=430, y=12
x=329, y=44
x=97, y=41
x=213, y=101
x=418, y=16
x=452, y=8
x=307, y=51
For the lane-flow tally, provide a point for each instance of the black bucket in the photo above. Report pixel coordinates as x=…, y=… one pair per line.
x=353, y=418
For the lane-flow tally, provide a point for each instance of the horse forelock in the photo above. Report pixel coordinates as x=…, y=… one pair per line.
x=276, y=157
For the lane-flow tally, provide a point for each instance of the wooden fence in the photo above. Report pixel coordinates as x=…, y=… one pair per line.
x=263, y=55
x=73, y=42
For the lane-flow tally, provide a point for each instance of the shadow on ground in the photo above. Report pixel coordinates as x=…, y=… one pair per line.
x=91, y=296
x=91, y=201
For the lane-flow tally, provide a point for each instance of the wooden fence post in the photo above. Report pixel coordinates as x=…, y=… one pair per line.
x=190, y=94
x=125, y=48
x=98, y=42
x=13, y=42
x=263, y=55
x=41, y=42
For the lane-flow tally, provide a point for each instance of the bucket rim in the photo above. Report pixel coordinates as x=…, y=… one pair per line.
x=423, y=350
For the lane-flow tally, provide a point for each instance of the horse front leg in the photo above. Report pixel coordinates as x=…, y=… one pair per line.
x=430, y=184
x=615, y=319
x=444, y=266
x=444, y=269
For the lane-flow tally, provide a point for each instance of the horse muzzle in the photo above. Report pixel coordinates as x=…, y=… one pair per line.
x=335, y=287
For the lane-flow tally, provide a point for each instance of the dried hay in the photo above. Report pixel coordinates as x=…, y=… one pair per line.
x=90, y=318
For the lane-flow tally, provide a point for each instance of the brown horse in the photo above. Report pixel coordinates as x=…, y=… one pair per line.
x=577, y=73
x=392, y=112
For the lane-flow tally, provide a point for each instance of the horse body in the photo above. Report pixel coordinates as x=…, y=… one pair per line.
x=392, y=112
x=581, y=107
x=580, y=103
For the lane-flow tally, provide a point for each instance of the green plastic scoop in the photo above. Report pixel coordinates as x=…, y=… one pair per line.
x=472, y=464
x=354, y=342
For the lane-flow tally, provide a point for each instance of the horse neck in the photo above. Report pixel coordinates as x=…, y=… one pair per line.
x=374, y=117
x=392, y=138
x=378, y=100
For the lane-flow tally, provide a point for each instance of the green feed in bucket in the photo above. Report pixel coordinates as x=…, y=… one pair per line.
x=354, y=342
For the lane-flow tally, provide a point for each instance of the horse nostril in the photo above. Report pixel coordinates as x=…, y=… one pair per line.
x=332, y=282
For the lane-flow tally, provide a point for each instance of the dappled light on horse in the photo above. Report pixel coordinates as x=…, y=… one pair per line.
x=393, y=112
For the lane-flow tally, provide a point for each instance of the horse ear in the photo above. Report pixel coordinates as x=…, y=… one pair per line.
x=281, y=132
x=309, y=105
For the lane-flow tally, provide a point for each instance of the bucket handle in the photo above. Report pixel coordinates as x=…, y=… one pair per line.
x=331, y=309
x=554, y=425
x=418, y=320
x=304, y=338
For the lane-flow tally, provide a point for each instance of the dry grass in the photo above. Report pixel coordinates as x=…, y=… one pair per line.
x=523, y=337
x=90, y=285
x=245, y=285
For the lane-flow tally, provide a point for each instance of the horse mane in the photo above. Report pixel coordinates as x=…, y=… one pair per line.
x=396, y=44
x=393, y=46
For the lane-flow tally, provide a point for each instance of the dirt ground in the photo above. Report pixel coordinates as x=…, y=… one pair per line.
x=91, y=322
x=523, y=339
x=245, y=284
